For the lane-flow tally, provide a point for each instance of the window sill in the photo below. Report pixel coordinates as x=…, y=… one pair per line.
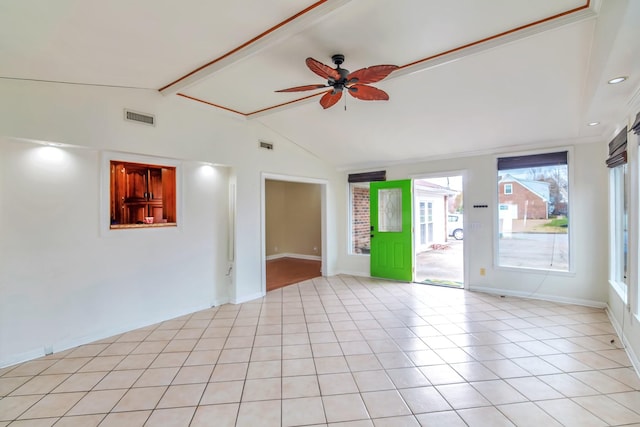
x=158, y=225
x=548, y=272
x=620, y=289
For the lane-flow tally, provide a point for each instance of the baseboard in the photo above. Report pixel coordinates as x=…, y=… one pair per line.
x=353, y=273
x=22, y=357
x=59, y=346
x=543, y=297
x=220, y=301
x=297, y=256
x=247, y=298
x=633, y=357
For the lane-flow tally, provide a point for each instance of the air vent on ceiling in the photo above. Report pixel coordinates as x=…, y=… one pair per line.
x=133, y=116
x=266, y=145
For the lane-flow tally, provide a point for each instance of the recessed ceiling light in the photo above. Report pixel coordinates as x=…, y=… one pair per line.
x=594, y=123
x=617, y=80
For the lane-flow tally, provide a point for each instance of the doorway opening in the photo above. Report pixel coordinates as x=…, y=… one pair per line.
x=438, y=232
x=293, y=227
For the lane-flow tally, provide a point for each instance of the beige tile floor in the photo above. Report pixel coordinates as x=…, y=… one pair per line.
x=341, y=351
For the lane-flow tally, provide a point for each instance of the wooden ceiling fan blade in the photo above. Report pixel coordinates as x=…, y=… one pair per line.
x=368, y=93
x=372, y=74
x=302, y=88
x=322, y=70
x=329, y=99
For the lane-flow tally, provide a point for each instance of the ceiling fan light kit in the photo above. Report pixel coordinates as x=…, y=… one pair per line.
x=339, y=79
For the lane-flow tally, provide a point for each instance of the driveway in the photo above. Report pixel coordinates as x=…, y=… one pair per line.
x=535, y=250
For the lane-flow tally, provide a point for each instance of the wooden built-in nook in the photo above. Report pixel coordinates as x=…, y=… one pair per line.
x=142, y=195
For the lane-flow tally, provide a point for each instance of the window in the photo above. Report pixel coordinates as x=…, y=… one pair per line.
x=390, y=210
x=360, y=226
x=359, y=220
x=620, y=234
x=618, y=207
x=632, y=201
x=430, y=220
x=142, y=195
x=533, y=198
x=423, y=223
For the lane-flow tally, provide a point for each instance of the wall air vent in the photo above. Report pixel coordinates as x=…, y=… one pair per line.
x=266, y=145
x=133, y=116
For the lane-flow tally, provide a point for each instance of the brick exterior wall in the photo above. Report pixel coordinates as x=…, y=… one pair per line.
x=537, y=208
x=360, y=225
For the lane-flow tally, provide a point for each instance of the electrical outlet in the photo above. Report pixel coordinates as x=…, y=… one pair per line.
x=482, y=271
x=315, y=249
x=275, y=248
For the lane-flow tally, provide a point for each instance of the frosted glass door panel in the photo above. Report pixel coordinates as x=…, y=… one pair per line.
x=390, y=210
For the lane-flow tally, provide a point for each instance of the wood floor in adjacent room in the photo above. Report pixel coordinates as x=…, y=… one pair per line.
x=287, y=271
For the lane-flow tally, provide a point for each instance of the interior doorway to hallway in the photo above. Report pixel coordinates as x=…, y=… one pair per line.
x=293, y=215
x=438, y=230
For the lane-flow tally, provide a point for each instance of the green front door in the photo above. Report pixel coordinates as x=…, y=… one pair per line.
x=391, y=236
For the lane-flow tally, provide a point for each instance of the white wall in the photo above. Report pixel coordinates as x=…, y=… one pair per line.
x=63, y=281
x=588, y=190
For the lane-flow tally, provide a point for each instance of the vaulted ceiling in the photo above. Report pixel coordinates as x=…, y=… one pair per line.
x=474, y=76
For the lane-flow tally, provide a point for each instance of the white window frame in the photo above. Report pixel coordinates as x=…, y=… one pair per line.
x=509, y=186
x=633, y=156
x=422, y=219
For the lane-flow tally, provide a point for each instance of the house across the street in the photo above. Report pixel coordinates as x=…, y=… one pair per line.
x=524, y=199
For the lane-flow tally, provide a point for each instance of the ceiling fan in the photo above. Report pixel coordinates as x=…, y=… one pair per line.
x=339, y=79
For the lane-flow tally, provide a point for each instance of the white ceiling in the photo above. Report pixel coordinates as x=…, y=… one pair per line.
x=475, y=76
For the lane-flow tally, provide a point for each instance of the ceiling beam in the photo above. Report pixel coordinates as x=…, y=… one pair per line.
x=285, y=29
x=579, y=14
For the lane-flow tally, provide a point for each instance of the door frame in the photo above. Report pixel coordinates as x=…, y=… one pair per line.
x=264, y=176
x=466, y=226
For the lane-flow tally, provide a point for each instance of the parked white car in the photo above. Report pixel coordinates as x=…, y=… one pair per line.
x=454, y=226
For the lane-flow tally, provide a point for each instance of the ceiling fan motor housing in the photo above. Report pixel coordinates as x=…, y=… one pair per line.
x=340, y=84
